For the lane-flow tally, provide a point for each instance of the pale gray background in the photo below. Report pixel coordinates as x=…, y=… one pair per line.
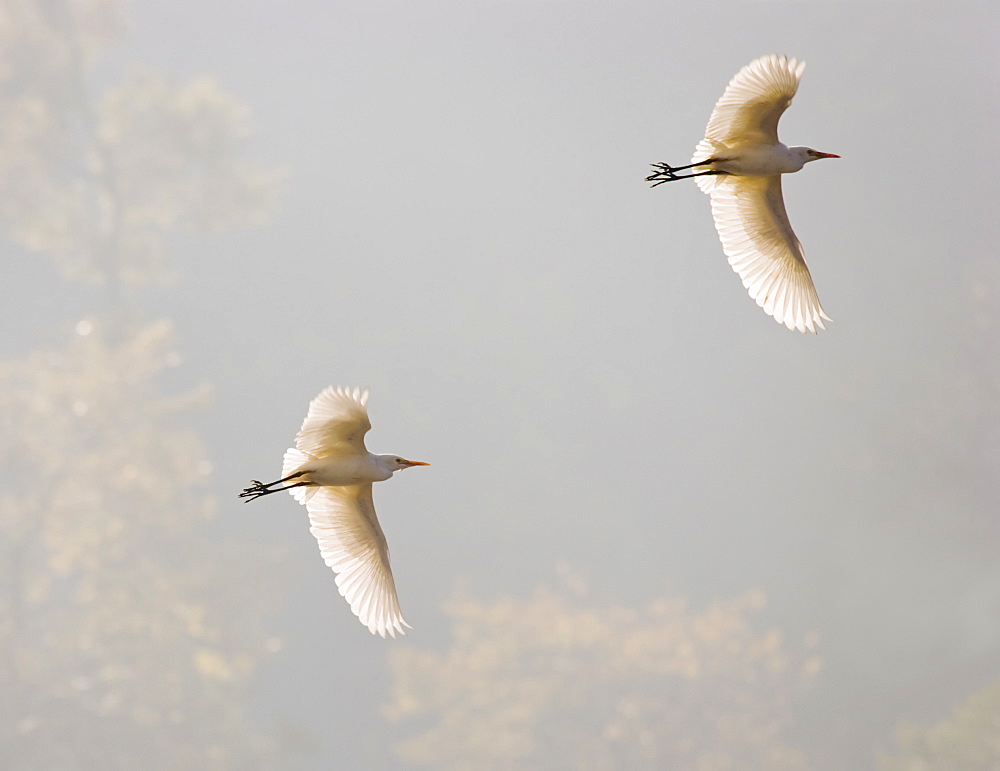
x=466, y=231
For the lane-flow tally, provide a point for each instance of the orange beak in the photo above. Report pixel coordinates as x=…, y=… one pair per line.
x=825, y=155
x=416, y=463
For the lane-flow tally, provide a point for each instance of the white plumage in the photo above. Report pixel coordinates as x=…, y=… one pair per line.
x=331, y=471
x=739, y=164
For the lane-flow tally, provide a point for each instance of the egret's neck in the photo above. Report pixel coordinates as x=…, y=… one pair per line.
x=798, y=156
x=383, y=463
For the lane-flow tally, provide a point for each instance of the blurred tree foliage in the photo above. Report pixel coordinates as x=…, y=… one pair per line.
x=555, y=682
x=127, y=635
x=967, y=741
x=97, y=183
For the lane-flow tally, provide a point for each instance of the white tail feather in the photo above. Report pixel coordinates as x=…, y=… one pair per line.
x=292, y=461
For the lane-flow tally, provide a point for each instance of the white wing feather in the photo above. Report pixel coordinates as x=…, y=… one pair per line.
x=336, y=423
x=761, y=246
x=352, y=543
x=754, y=100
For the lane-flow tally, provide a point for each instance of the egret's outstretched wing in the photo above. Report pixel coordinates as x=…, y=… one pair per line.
x=352, y=543
x=761, y=246
x=754, y=100
x=336, y=423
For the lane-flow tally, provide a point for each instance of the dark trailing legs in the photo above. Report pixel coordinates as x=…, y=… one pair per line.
x=667, y=173
x=258, y=489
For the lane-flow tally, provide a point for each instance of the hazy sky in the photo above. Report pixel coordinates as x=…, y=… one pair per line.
x=465, y=230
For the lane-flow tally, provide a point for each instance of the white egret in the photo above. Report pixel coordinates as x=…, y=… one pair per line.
x=331, y=471
x=739, y=164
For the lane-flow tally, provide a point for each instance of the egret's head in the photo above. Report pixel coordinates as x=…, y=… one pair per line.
x=815, y=155
x=398, y=464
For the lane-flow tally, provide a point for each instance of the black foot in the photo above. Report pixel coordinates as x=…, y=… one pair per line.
x=667, y=173
x=664, y=173
x=256, y=490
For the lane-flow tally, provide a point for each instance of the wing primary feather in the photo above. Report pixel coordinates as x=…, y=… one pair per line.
x=351, y=542
x=335, y=424
x=762, y=248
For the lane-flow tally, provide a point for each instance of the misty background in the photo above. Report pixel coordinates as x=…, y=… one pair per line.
x=659, y=530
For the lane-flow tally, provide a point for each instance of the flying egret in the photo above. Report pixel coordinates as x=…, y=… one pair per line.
x=739, y=164
x=331, y=471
